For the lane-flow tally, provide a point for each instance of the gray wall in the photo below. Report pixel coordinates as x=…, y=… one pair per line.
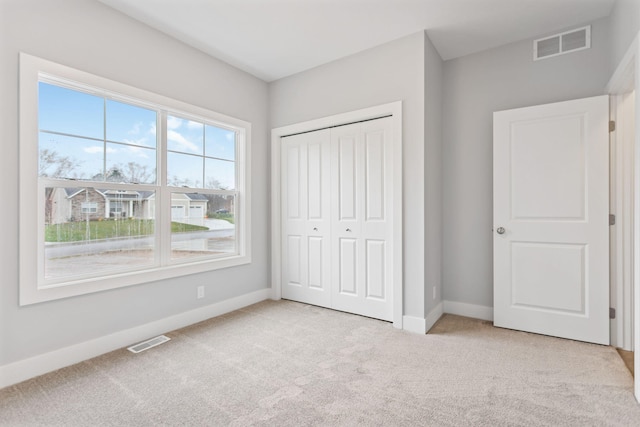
x=433, y=97
x=625, y=24
x=387, y=73
x=475, y=86
x=92, y=37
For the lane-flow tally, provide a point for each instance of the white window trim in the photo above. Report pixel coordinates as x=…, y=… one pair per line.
x=31, y=228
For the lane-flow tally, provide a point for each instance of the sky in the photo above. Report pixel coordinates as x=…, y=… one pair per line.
x=97, y=129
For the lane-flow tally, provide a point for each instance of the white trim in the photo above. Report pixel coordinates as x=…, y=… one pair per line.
x=25, y=369
x=621, y=234
x=395, y=110
x=625, y=79
x=433, y=316
x=33, y=287
x=417, y=325
x=636, y=220
x=468, y=310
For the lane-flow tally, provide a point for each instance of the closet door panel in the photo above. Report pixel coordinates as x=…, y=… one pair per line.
x=347, y=172
x=374, y=176
x=348, y=274
x=362, y=153
x=306, y=227
x=375, y=282
x=317, y=262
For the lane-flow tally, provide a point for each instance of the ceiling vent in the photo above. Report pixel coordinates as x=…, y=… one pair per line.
x=559, y=44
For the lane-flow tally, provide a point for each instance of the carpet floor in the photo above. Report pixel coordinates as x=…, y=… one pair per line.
x=281, y=363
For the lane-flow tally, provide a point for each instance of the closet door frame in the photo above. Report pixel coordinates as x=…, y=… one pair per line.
x=394, y=110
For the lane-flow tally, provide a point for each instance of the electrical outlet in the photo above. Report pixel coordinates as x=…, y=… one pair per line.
x=434, y=292
x=200, y=292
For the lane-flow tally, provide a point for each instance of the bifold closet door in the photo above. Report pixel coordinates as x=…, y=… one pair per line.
x=362, y=220
x=305, y=218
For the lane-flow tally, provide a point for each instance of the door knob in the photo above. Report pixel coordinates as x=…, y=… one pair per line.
x=500, y=230
x=315, y=228
x=348, y=229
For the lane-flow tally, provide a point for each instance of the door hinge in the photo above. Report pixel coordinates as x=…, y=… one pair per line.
x=612, y=219
x=612, y=313
x=612, y=125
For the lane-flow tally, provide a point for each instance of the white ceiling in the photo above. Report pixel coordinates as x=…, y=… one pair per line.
x=272, y=39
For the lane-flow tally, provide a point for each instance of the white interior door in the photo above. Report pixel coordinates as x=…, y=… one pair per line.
x=306, y=225
x=551, y=234
x=362, y=221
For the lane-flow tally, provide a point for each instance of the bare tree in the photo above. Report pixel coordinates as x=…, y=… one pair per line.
x=53, y=165
x=215, y=184
x=136, y=173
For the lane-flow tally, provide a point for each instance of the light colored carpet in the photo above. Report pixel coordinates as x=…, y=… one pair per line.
x=289, y=364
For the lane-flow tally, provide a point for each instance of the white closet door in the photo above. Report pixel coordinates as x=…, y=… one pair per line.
x=306, y=226
x=362, y=223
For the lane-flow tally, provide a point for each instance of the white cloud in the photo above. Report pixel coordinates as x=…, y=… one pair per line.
x=152, y=128
x=138, y=152
x=194, y=125
x=183, y=143
x=135, y=130
x=174, y=122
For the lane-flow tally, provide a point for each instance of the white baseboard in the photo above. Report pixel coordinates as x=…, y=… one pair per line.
x=469, y=310
x=25, y=369
x=433, y=316
x=414, y=324
x=419, y=325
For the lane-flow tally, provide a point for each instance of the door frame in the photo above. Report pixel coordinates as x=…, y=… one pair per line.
x=621, y=234
x=393, y=109
x=625, y=79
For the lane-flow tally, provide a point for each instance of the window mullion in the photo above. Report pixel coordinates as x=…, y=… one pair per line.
x=163, y=211
x=104, y=139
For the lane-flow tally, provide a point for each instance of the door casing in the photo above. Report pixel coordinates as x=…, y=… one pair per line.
x=626, y=78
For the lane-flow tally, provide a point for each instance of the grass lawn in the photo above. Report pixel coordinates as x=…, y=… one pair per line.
x=95, y=230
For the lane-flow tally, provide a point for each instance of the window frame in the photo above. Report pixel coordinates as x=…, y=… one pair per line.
x=89, y=207
x=33, y=287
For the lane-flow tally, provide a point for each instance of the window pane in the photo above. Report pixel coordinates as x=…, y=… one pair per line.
x=220, y=143
x=68, y=157
x=184, y=170
x=130, y=124
x=220, y=174
x=89, y=231
x=69, y=111
x=202, y=225
x=131, y=164
x=184, y=135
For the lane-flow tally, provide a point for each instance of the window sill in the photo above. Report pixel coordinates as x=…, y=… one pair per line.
x=37, y=294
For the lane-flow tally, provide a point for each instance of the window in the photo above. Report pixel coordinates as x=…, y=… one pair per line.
x=87, y=208
x=121, y=186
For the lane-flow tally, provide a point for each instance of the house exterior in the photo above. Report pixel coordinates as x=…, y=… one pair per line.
x=86, y=203
x=190, y=206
